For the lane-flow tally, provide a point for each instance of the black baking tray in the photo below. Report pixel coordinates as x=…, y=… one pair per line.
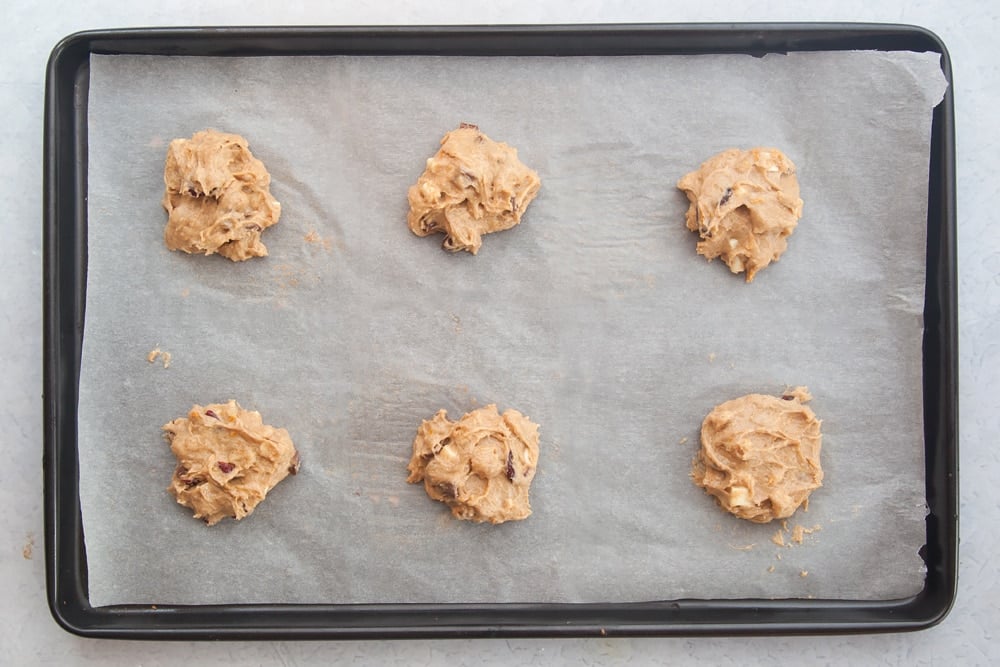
x=65, y=279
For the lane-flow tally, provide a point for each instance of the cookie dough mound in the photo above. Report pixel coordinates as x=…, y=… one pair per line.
x=760, y=455
x=472, y=186
x=481, y=466
x=744, y=205
x=217, y=197
x=227, y=460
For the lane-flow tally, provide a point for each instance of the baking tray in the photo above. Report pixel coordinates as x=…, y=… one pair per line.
x=65, y=270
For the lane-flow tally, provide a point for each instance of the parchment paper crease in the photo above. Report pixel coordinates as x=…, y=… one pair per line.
x=594, y=316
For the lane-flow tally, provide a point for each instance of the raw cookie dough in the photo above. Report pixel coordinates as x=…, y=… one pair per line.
x=217, y=197
x=760, y=455
x=744, y=204
x=481, y=466
x=227, y=460
x=472, y=186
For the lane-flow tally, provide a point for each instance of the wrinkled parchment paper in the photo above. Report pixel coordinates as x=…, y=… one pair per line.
x=595, y=317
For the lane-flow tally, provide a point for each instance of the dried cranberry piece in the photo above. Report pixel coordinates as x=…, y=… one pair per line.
x=193, y=482
x=211, y=413
x=226, y=467
x=510, y=466
x=725, y=196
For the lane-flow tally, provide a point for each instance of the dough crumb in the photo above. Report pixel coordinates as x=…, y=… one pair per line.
x=744, y=205
x=471, y=187
x=797, y=534
x=314, y=238
x=228, y=460
x=800, y=531
x=157, y=352
x=770, y=569
x=480, y=466
x=804, y=574
x=217, y=197
x=29, y=546
x=286, y=275
x=760, y=455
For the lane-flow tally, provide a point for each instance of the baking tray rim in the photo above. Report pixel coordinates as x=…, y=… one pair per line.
x=64, y=285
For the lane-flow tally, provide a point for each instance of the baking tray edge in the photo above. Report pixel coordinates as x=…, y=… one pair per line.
x=64, y=281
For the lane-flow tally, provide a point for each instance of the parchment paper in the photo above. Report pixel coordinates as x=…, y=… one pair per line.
x=595, y=317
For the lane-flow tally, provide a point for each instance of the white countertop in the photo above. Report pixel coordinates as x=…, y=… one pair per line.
x=28, y=635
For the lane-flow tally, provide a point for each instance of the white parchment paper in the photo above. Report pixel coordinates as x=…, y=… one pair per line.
x=595, y=317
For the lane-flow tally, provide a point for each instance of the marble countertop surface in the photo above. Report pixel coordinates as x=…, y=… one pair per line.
x=29, y=635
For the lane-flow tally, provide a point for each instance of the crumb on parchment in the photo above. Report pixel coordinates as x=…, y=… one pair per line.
x=157, y=352
x=796, y=534
x=799, y=531
x=314, y=238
